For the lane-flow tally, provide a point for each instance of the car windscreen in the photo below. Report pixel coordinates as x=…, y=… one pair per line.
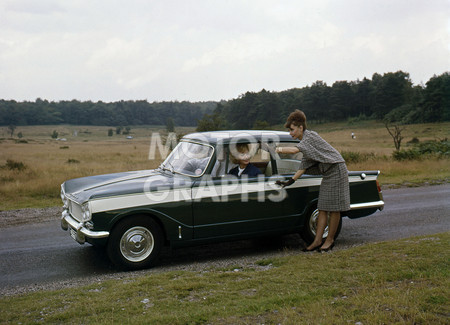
x=188, y=158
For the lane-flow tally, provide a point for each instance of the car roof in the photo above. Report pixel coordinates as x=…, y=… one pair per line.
x=240, y=136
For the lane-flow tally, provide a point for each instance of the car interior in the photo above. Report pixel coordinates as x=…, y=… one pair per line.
x=263, y=156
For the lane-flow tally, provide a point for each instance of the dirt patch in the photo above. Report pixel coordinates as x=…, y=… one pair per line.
x=19, y=217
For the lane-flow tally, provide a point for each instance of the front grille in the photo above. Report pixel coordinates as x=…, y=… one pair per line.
x=75, y=211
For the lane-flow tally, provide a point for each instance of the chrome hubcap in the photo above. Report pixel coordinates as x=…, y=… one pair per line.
x=313, y=223
x=137, y=244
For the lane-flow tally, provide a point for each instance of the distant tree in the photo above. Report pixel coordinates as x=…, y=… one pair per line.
x=119, y=129
x=110, y=132
x=127, y=130
x=390, y=91
x=11, y=129
x=261, y=125
x=54, y=134
x=170, y=125
x=395, y=130
x=316, y=102
x=362, y=101
x=436, y=102
x=341, y=100
x=210, y=122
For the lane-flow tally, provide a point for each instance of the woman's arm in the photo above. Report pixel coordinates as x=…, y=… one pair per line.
x=298, y=174
x=287, y=150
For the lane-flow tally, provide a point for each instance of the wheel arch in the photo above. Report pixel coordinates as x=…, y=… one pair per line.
x=310, y=206
x=155, y=215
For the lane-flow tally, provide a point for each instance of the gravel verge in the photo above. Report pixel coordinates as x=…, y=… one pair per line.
x=12, y=218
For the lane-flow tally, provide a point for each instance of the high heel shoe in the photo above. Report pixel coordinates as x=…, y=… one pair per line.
x=326, y=249
x=311, y=250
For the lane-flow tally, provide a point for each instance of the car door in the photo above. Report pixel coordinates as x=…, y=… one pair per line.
x=225, y=205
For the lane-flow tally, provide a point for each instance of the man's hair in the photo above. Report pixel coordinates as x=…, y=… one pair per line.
x=241, y=148
x=297, y=118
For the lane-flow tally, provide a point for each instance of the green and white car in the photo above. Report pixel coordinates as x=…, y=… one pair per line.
x=190, y=199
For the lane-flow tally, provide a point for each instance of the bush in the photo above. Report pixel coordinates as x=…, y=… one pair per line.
x=356, y=157
x=357, y=119
x=411, y=154
x=414, y=140
x=14, y=165
x=439, y=149
x=73, y=161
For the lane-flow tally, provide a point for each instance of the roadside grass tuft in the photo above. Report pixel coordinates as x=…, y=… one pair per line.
x=404, y=281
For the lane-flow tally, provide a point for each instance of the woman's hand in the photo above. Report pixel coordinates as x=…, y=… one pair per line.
x=290, y=181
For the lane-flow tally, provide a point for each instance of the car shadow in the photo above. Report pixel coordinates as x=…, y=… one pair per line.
x=229, y=250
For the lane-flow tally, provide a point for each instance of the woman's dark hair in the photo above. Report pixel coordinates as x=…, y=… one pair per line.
x=297, y=118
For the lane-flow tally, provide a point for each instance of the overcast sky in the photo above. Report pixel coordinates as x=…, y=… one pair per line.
x=198, y=50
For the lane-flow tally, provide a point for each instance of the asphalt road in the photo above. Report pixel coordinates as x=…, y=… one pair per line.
x=36, y=254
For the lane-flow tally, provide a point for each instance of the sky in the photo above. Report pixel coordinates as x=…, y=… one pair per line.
x=201, y=50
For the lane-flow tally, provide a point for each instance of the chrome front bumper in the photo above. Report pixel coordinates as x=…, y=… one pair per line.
x=78, y=231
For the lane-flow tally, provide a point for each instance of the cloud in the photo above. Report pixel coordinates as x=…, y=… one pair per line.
x=211, y=50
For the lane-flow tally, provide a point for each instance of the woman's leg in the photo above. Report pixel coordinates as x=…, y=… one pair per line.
x=335, y=218
x=322, y=220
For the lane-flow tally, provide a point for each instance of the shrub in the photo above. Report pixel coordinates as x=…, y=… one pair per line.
x=439, y=149
x=15, y=165
x=414, y=140
x=411, y=154
x=356, y=157
x=73, y=161
x=357, y=119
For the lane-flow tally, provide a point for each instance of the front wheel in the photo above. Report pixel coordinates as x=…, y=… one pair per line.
x=309, y=230
x=135, y=243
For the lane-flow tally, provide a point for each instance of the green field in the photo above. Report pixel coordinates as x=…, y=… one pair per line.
x=399, y=282
x=38, y=164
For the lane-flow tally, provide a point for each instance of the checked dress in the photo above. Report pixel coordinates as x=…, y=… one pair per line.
x=320, y=158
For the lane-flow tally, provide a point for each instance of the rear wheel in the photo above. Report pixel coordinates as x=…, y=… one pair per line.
x=309, y=230
x=135, y=243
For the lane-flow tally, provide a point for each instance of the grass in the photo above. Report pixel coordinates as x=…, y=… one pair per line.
x=48, y=162
x=402, y=282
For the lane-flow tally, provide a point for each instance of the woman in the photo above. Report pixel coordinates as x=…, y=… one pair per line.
x=242, y=158
x=319, y=157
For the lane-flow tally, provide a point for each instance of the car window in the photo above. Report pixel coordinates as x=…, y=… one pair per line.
x=189, y=158
x=287, y=163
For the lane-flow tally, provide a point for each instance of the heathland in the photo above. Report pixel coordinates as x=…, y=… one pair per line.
x=33, y=167
x=403, y=281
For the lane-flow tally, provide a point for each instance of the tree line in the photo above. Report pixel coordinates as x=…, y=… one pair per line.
x=391, y=97
x=122, y=113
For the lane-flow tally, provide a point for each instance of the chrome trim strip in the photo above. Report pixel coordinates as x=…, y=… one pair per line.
x=68, y=221
x=375, y=204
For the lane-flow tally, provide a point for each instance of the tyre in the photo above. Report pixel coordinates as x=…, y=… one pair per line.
x=308, y=232
x=135, y=243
